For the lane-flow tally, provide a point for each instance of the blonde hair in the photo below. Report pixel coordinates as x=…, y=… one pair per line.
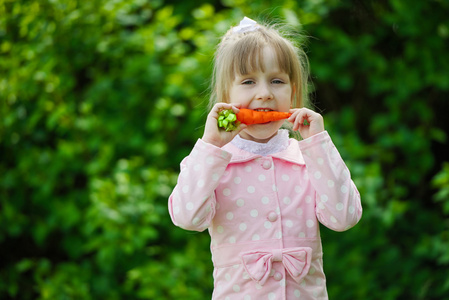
x=241, y=53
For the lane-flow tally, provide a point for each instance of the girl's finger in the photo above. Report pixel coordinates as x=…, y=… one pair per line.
x=222, y=106
x=235, y=108
x=300, y=116
x=305, y=114
x=219, y=107
x=295, y=112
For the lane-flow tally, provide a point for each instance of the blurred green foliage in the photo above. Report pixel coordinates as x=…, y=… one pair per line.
x=100, y=100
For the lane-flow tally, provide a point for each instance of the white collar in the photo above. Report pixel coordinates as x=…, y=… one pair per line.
x=276, y=144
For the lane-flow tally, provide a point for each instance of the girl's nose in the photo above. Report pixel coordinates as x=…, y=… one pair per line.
x=264, y=92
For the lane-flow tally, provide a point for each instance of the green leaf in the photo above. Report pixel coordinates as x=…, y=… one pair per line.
x=228, y=120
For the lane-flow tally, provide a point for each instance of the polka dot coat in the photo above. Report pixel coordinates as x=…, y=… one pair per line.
x=263, y=214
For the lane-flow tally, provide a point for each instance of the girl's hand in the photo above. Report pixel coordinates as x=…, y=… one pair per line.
x=215, y=135
x=314, y=120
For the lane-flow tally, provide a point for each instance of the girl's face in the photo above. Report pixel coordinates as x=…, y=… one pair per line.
x=270, y=90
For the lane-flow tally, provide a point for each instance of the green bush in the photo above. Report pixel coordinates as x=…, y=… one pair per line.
x=100, y=100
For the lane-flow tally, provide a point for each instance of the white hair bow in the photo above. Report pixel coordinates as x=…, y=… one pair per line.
x=245, y=25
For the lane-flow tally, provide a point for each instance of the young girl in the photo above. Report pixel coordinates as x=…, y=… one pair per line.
x=258, y=192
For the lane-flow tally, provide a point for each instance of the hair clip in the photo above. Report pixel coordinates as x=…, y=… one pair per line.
x=245, y=25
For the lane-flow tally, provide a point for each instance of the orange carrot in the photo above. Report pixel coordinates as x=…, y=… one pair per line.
x=249, y=116
x=230, y=121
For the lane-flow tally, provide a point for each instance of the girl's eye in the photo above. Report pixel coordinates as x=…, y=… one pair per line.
x=248, y=82
x=277, y=81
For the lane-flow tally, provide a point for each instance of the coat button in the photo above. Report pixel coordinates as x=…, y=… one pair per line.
x=266, y=164
x=272, y=216
x=277, y=276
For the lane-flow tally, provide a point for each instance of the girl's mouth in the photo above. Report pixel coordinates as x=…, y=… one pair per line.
x=263, y=109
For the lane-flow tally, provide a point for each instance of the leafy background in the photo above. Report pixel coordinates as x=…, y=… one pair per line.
x=100, y=100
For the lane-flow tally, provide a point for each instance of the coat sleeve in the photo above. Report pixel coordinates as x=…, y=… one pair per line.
x=338, y=204
x=192, y=203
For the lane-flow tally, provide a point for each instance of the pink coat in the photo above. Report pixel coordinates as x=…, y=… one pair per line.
x=262, y=213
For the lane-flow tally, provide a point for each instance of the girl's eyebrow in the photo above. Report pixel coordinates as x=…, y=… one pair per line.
x=270, y=73
x=280, y=72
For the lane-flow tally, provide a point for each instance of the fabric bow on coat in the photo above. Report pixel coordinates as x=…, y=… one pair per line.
x=296, y=261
